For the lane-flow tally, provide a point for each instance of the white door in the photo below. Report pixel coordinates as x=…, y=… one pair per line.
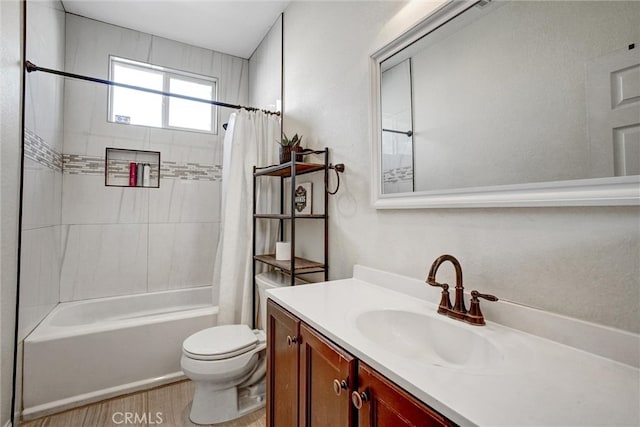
x=613, y=104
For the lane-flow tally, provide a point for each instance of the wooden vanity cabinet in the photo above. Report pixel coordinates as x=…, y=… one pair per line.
x=385, y=404
x=310, y=376
x=311, y=383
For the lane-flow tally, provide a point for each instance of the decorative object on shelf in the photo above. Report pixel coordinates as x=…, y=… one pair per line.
x=303, y=198
x=287, y=146
x=131, y=168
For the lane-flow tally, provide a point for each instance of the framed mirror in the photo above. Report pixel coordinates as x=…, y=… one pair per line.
x=509, y=103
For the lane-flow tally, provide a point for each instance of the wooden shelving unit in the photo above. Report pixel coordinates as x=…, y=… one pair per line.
x=285, y=170
x=301, y=265
x=288, y=173
x=286, y=216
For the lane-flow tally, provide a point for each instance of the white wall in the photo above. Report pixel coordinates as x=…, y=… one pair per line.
x=10, y=141
x=119, y=241
x=265, y=70
x=581, y=262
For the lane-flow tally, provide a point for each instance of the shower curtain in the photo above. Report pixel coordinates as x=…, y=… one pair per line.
x=250, y=140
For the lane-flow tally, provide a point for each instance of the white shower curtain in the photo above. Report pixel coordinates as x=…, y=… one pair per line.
x=250, y=140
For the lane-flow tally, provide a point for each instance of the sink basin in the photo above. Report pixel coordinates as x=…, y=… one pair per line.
x=428, y=338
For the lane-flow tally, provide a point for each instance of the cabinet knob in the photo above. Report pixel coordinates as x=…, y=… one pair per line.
x=338, y=386
x=291, y=340
x=358, y=398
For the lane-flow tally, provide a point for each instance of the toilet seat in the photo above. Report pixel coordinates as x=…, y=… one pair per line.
x=220, y=342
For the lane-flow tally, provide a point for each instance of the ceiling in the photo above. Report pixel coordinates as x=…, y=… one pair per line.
x=232, y=27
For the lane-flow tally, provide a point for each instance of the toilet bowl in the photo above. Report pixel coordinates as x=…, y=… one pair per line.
x=228, y=364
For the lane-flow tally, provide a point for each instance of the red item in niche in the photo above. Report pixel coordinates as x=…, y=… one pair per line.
x=133, y=174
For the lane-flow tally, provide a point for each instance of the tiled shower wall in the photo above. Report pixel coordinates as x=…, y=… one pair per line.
x=118, y=240
x=42, y=186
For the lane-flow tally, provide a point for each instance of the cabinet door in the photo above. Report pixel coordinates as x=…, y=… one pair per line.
x=327, y=374
x=385, y=404
x=282, y=367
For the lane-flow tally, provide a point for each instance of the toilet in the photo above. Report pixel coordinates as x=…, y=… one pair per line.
x=228, y=363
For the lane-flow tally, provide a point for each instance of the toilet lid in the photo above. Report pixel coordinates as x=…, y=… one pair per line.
x=220, y=342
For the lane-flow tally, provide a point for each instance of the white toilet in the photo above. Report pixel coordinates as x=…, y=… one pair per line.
x=228, y=364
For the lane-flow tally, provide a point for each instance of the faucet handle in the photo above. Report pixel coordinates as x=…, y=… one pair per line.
x=474, y=316
x=475, y=295
x=432, y=282
x=445, y=303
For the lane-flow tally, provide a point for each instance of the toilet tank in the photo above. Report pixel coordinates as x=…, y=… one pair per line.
x=270, y=280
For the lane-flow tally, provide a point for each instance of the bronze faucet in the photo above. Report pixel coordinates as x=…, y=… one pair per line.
x=458, y=311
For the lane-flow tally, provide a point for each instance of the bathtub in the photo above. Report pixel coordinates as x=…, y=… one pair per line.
x=87, y=351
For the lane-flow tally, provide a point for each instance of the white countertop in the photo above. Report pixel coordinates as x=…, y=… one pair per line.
x=534, y=381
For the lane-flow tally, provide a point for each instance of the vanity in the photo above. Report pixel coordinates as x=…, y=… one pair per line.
x=372, y=351
x=312, y=382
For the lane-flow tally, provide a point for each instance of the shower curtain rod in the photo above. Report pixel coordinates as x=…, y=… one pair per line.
x=30, y=66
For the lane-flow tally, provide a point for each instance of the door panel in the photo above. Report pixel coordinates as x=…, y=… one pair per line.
x=613, y=103
x=388, y=405
x=626, y=145
x=321, y=364
x=282, y=367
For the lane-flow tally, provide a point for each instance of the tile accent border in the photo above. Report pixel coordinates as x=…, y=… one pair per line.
x=36, y=149
x=402, y=174
x=190, y=171
x=80, y=164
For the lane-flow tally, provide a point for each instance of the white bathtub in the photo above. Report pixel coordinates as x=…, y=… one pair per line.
x=91, y=350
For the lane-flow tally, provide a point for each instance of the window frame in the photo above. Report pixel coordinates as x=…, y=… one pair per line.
x=167, y=73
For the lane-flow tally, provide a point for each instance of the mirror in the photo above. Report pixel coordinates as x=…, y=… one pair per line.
x=397, y=128
x=522, y=103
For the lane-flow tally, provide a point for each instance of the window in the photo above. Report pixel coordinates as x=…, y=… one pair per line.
x=135, y=107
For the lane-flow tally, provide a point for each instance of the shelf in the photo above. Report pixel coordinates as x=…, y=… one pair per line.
x=124, y=168
x=287, y=216
x=300, y=263
x=284, y=170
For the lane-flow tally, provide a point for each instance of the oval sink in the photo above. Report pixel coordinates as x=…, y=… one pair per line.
x=437, y=341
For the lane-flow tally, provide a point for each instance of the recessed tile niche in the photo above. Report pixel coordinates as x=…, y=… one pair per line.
x=131, y=168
